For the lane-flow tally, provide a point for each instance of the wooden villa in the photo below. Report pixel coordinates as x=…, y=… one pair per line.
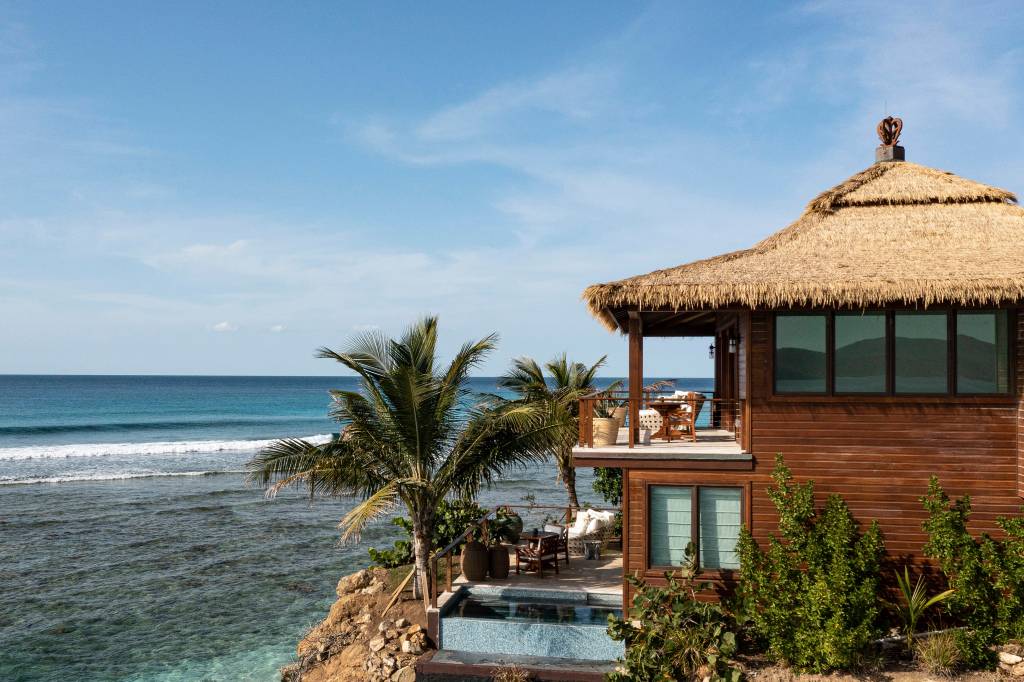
x=873, y=342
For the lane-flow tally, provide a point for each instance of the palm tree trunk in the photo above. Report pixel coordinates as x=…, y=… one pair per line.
x=422, y=532
x=568, y=475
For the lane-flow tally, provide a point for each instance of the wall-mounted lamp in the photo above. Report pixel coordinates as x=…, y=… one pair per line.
x=711, y=351
x=733, y=345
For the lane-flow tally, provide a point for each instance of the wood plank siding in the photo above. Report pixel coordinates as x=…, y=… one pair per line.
x=877, y=452
x=1020, y=403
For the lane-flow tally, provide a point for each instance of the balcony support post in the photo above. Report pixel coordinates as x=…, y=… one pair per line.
x=636, y=374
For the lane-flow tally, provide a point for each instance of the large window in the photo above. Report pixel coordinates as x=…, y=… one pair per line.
x=800, y=361
x=860, y=353
x=709, y=517
x=982, y=352
x=901, y=352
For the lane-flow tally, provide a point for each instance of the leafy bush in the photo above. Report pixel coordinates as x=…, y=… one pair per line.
x=812, y=597
x=679, y=637
x=608, y=484
x=451, y=521
x=987, y=575
x=938, y=654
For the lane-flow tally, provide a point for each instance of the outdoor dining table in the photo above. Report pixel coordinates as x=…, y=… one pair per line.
x=665, y=407
x=533, y=538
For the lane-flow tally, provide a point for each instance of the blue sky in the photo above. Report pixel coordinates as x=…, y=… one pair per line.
x=223, y=187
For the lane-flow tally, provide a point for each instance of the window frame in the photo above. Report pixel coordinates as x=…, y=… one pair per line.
x=890, y=346
x=694, y=523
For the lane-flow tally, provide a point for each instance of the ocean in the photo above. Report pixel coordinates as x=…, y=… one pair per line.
x=131, y=548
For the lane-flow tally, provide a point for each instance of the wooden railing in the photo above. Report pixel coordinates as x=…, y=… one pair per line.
x=711, y=413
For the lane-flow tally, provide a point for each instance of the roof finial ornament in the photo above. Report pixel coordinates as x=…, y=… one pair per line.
x=889, y=130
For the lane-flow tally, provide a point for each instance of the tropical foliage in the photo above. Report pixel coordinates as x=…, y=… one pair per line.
x=915, y=602
x=412, y=436
x=451, y=521
x=811, y=597
x=558, y=398
x=671, y=635
x=986, y=574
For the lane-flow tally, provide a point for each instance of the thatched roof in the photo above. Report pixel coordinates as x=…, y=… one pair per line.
x=897, y=232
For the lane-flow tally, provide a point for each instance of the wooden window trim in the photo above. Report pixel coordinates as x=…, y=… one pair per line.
x=652, y=570
x=891, y=396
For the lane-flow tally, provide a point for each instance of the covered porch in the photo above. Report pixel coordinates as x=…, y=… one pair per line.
x=654, y=421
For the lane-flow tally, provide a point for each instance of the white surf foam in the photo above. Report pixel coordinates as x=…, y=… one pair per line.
x=126, y=449
x=77, y=478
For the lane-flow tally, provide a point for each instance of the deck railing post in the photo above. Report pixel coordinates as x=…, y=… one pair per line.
x=433, y=584
x=449, y=569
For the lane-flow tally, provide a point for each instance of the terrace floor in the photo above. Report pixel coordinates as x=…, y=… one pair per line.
x=713, y=445
x=600, y=576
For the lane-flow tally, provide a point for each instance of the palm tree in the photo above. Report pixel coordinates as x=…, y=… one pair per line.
x=410, y=436
x=559, y=399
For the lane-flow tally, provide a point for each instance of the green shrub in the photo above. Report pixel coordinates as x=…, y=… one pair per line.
x=987, y=575
x=452, y=520
x=938, y=654
x=608, y=484
x=812, y=597
x=679, y=637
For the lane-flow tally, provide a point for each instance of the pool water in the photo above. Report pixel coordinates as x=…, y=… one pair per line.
x=569, y=624
x=532, y=610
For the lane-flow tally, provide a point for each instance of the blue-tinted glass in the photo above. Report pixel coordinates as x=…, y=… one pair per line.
x=982, y=352
x=671, y=512
x=800, y=353
x=921, y=352
x=719, y=527
x=860, y=353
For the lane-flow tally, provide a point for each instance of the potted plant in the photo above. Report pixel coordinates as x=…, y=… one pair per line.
x=606, y=426
x=506, y=526
x=475, y=559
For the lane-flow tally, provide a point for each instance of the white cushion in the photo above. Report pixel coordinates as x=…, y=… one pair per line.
x=552, y=528
x=595, y=525
x=573, y=533
x=580, y=524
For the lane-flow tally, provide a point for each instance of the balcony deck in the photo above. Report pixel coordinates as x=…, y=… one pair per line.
x=714, y=449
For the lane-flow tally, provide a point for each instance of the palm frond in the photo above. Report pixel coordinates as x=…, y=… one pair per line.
x=380, y=503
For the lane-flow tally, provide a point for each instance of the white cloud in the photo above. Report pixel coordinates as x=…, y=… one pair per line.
x=277, y=328
x=225, y=326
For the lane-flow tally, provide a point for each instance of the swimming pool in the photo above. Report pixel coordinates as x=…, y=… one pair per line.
x=528, y=622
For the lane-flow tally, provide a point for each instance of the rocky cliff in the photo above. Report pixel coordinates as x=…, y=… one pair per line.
x=355, y=643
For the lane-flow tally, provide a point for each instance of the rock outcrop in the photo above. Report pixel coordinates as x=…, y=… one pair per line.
x=355, y=643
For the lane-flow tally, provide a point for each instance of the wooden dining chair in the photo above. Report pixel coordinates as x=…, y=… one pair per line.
x=535, y=557
x=562, y=547
x=683, y=422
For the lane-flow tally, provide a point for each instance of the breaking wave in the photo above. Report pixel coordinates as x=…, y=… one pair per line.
x=122, y=449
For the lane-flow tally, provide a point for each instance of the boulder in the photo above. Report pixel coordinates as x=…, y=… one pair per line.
x=356, y=581
x=406, y=674
x=1009, y=659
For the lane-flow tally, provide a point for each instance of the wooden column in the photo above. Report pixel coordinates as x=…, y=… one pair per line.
x=636, y=374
